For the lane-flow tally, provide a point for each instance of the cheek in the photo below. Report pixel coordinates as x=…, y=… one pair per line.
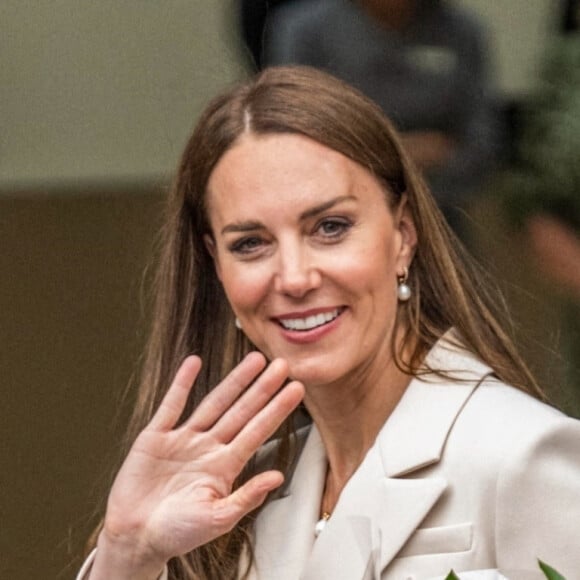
x=244, y=288
x=372, y=280
x=373, y=265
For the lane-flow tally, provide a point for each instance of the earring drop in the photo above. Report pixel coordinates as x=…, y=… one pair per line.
x=403, y=289
x=238, y=323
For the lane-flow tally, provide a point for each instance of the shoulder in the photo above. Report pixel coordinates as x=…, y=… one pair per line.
x=523, y=456
x=494, y=418
x=504, y=406
x=504, y=430
x=512, y=463
x=510, y=417
x=529, y=453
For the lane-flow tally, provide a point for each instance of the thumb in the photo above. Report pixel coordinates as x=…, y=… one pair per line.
x=247, y=498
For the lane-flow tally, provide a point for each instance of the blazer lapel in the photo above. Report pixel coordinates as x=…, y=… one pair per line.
x=373, y=519
x=414, y=435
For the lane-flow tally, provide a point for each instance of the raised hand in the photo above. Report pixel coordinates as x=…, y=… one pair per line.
x=174, y=490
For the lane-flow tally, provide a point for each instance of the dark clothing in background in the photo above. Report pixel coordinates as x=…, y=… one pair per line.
x=253, y=14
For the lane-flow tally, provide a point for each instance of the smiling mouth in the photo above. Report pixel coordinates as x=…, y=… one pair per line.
x=310, y=322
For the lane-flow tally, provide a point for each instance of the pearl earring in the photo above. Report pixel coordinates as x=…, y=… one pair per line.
x=403, y=289
x=238, y=323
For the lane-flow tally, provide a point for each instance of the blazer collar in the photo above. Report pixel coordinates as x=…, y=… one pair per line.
x=378, y=509
x=414, y=435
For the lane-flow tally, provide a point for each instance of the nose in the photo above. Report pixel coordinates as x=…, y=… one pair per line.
x=297, y=273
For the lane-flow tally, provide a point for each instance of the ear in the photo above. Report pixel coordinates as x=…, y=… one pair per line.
x=405, y=225
x=212, y=250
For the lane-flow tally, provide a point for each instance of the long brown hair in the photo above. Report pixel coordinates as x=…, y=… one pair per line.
x=192, y=315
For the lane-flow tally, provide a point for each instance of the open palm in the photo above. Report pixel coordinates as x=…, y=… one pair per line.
x=174, y=490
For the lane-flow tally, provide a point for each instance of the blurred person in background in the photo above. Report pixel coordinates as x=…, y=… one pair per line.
x=423, y=61
x=544, y=195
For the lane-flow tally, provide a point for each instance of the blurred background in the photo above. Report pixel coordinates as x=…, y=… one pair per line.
x=96, y=102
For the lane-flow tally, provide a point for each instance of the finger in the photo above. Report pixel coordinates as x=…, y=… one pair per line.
x=225, y=394
x=174, y=401
x=245, y=499
x=266, y=422
x=251, y=402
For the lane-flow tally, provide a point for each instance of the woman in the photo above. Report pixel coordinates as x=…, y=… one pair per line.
x=298, y=228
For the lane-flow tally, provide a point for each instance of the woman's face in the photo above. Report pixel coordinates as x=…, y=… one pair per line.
x=308, y=253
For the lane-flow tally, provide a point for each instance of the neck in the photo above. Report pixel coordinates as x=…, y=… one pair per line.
x=349, y=417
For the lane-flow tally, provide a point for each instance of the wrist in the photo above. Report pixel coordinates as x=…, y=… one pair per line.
x=119, y=558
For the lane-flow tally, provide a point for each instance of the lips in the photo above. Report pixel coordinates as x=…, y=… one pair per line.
x=311, y=321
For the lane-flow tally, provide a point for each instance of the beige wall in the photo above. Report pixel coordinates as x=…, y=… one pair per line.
x=107, y=90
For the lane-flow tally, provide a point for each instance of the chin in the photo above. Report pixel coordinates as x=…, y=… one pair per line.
x=314, y=372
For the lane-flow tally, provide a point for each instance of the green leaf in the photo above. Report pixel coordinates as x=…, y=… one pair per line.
x=453, y=576
x=550, y=573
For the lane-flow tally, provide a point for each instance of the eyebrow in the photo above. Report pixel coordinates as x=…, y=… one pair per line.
x=240, y=227
x=317, y=209
x=251, y=226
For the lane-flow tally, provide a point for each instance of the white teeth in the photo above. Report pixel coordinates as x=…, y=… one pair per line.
x=309, y=322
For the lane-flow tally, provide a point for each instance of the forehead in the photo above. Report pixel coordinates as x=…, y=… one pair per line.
x=282, y=169
x=253, y=157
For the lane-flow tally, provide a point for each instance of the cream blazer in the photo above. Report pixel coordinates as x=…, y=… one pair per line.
x=469, y=474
